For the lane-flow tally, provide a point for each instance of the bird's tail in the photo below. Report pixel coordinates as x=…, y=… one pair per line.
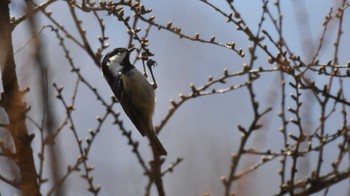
x=156, y=144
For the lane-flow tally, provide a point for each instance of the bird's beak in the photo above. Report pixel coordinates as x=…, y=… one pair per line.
x=131, y=49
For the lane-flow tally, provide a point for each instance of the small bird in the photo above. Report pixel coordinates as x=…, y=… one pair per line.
x=133, y=91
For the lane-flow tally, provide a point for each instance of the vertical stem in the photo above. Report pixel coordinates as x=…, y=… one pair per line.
x=38, y=52
x=156, y=173
x=12, y=102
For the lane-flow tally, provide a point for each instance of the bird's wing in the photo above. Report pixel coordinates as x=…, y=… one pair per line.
x=117, y=86
x=135, y=114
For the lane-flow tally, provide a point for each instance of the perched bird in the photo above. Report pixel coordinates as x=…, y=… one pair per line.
x=133, y=91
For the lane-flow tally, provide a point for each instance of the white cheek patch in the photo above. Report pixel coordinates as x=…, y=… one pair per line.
x=115, y=58
x=114, y=63
x=115, y=67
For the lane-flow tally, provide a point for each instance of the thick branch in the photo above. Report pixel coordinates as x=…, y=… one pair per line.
x=12, y=100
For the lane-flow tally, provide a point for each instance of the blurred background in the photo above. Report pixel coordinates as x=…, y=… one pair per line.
x=203, y=131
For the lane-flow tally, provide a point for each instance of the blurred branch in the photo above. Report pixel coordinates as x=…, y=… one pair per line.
x=32, y=38
x=48, y=119
x=27, y=15
x=6, y=152
x=11, y=182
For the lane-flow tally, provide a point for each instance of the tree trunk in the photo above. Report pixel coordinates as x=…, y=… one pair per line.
x=12, y=100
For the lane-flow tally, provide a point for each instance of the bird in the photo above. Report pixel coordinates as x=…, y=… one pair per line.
x=133, y=91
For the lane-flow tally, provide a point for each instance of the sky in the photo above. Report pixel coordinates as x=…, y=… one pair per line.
x=203, y=131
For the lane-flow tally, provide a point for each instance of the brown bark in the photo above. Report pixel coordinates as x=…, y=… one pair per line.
x=12, y=100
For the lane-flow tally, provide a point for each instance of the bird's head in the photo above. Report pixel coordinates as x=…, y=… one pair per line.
x=118, y=59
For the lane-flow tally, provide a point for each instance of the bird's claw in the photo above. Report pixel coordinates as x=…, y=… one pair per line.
x=151, y=63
